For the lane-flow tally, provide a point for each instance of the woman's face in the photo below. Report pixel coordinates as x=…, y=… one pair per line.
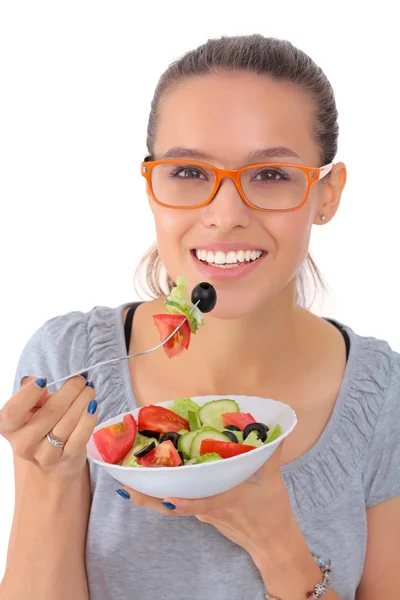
x=227, y=118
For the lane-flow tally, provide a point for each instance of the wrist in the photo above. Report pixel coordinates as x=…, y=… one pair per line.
x=60, y=475
x=54, y=483
x=286, y=564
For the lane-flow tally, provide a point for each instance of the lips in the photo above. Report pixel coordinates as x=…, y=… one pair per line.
x=228, y=271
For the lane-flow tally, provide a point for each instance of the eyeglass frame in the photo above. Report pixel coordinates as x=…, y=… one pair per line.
x=313, y=174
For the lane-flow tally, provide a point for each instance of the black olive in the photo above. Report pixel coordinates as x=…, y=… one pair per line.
x=231, y=436
x=259, y=427
x=233, y=428
x=149, y=434
x=145, y=450
x=181, y=455
x=172, y=436
x=207, y=295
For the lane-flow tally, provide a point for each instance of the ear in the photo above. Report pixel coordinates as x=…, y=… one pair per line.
x=331, y=196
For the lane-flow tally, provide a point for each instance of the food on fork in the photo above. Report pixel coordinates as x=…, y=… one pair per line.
x=178, y=306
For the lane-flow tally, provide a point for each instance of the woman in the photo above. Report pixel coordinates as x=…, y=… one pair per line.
x=333, y=488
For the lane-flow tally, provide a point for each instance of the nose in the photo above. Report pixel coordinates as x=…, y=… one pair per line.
x=227, y=209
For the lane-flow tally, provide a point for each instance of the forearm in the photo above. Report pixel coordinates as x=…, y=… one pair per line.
x=291, y=572
x=46, y=555
x=286, y=564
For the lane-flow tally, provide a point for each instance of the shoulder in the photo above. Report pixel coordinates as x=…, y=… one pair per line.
x=360, y=444
x=373, y=370
x=373, y=405
x=62, y=343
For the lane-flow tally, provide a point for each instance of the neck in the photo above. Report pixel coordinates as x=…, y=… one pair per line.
x=263, y=342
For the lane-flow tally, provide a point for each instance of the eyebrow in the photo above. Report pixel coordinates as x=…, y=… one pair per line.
x=261, y=153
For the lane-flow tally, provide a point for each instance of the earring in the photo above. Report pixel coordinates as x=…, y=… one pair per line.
x=323, y=218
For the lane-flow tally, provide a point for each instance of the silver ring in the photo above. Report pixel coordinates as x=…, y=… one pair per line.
x=55, y=442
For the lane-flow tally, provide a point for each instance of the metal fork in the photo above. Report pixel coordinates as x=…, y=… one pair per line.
x=107, y=362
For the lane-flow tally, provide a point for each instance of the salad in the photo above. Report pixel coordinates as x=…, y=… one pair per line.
x=178, y=306
x=183, y=434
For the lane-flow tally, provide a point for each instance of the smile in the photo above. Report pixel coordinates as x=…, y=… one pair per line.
x=227, y=260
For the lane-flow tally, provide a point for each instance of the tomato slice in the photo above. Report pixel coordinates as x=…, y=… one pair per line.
x=238, y=419
x=160, y=419
x=224, y=449
x=163, y=455
x=115, y=441
x=180, y=341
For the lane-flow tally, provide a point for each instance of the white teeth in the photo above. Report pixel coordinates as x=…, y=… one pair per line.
x=254, y=255
x=228, y=259
x=219, y=258
x=231, y=257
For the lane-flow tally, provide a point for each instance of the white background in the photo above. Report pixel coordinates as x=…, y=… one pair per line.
x=76, y=83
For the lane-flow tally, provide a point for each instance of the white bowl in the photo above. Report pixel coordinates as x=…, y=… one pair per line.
x=207, y=479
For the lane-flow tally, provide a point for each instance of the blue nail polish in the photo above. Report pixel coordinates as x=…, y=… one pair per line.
x=92, y=407
x=90, y=384
x=123, y=494
x=41, y=382
x=169, y=505
x=85, y=375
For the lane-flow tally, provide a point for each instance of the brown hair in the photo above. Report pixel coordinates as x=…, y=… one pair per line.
x=281, y=61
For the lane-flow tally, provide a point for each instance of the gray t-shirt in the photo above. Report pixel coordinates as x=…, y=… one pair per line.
x=134, y=553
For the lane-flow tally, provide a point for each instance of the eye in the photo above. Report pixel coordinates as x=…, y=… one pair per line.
x=189, y=172
x=270, y=174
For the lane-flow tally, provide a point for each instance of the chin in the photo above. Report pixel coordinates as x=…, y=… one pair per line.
x=240, y=303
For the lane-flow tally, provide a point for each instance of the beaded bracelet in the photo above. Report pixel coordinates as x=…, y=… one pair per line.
x=321, y=588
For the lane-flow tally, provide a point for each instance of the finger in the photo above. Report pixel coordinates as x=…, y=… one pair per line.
x=43, y=397
x=75, y=429
x=27, y=440
x=55, y=408
x=15, y=412
x=144, y=500
x=66, y=425
x=185, y=507
x=80, y=436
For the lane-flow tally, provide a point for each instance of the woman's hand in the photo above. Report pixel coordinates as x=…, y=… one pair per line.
x=32, y=412
x=257, y=516
x=246, y=514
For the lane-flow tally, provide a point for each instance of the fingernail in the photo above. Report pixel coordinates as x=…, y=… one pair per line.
x=85, y=375
x=41, y=382
x=169, y=505
x=92, y=407
x=123, y=494
x=90, y=383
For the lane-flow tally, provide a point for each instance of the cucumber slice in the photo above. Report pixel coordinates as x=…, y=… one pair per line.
x=211, y=412
x=193, y=419
x=185, y=442
x=205, y=433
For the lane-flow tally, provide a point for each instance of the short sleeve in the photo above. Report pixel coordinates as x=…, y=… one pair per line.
x=56, y=349
x=382, y=470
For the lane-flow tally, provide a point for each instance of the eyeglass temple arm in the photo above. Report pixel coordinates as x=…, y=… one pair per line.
x=325, y=170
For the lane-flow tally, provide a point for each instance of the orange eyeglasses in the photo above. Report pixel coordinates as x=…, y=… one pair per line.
x=188, y=184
